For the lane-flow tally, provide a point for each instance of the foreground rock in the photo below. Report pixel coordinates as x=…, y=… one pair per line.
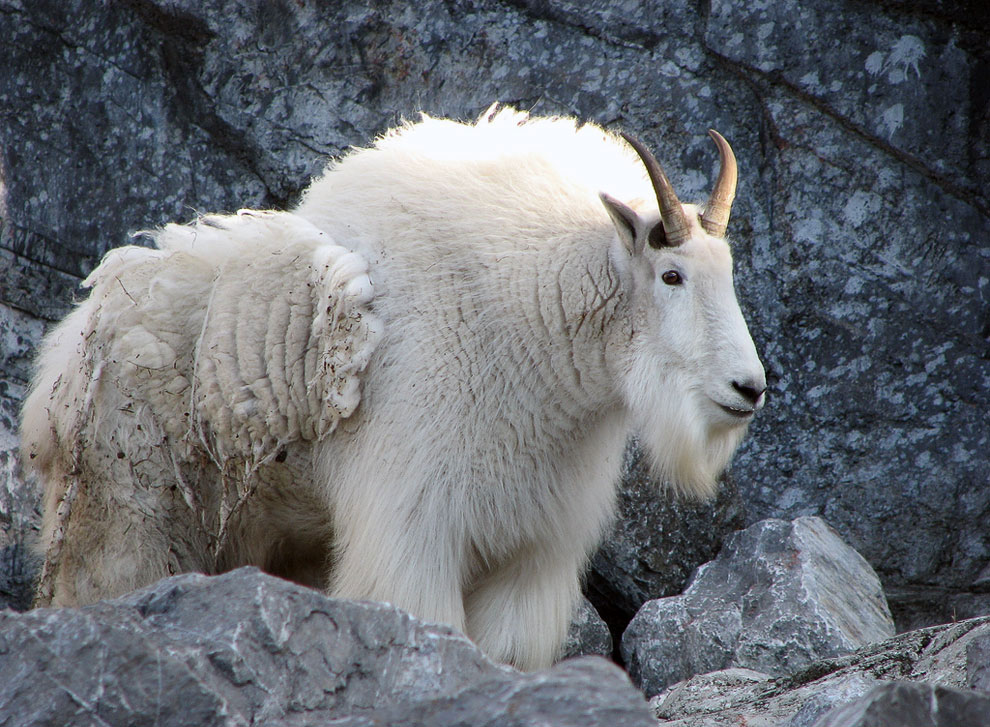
x=573, y=694
x=903, y=704
x=836, y=692
x=780, y=596
x=246, y=648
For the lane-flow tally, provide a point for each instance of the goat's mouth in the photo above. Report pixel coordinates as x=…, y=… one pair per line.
x=736, y=412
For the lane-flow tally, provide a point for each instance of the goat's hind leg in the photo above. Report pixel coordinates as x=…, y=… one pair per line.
x=124, y=527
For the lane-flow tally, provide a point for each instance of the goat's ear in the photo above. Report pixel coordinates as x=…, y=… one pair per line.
x=628, y=224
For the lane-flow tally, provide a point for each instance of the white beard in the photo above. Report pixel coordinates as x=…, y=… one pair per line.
x=682, y=446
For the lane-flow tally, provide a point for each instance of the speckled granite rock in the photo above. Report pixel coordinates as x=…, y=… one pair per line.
x=232, y=649
x=908, y=704
x=247, y=648
x=780, y=596
x=861, y=229
x=930, y=659
x=19, y=499
x=587, y=692
x=588, y=634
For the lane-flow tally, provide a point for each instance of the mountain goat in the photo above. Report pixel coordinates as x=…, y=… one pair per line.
x=414, y=387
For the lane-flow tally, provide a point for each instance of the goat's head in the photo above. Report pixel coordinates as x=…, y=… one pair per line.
x=693, y=379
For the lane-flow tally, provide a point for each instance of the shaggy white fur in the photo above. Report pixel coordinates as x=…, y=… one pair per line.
x=415, y=387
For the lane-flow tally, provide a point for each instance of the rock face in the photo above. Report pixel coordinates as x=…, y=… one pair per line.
x=246, y=648
x=780, y=596
x=868, y=246
x=934, y=662
x=860, y=229
x=19, y=500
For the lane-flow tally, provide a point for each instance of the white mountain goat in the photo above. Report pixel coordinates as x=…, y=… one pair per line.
x=415, y=387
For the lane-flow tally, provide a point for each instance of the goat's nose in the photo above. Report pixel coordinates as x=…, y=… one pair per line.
x=751, y=390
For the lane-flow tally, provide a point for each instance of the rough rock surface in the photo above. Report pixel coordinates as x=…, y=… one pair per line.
x=780, y=596
x=246, y=648
x=907, y=704
x=978, y=663
x=578, y=693
x=860, y=230
x=936, y=657
x=19, y=499
x=868, y=279
x=588, y=634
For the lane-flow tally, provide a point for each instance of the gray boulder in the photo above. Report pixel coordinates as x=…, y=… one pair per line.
x=588, y=692
x=978, y=663
x=908, y=704
x=240, y=648
x=780, y=596
x=245, y=648
x=935, y=658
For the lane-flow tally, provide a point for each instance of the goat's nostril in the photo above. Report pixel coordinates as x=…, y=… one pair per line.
x=752, y=393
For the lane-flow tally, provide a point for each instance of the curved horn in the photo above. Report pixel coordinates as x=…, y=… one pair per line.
x=716, y=216
x=672, y=218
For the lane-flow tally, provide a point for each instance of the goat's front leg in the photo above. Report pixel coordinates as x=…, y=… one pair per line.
x=519, y=613
x=414, y=566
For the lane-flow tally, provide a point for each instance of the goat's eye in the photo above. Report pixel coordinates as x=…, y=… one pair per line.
x=672, y=277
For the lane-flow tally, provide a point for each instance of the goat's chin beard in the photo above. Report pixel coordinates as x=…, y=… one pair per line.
x=683, y=448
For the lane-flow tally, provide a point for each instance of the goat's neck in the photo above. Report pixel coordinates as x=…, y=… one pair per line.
x=573, y=306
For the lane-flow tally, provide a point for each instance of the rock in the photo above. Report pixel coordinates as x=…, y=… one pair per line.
x=932, y=658
x=588, y=634
x=234, y=649
x=917, y=606
x=734, y=696
x=706, y=692
x=906, y=704
x=780, y=596
x=19, y=498
x=587, y=692
x=978, y=663
x=656, y=543
x=859, y=229
x=19, y=566
x=247, y=648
